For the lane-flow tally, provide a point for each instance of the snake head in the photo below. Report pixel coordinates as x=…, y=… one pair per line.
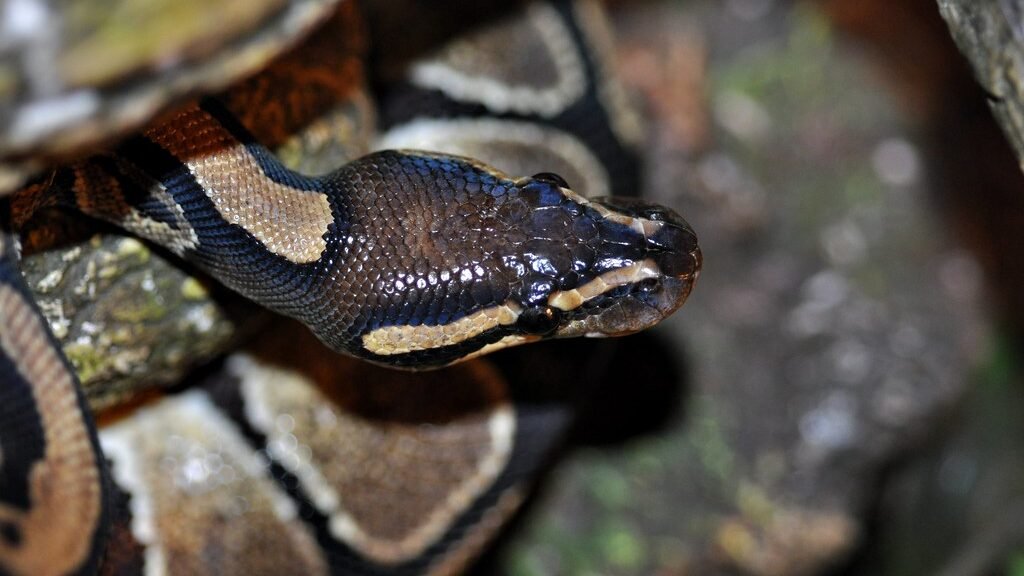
x=599, y=267
x=477, y=261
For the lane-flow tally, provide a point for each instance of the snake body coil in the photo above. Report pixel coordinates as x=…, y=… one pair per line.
x=404, y=258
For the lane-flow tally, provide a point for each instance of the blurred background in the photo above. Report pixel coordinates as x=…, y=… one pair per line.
x=852, y=396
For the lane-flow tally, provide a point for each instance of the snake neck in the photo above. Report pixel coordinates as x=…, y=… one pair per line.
x=401, y=257
x=392, y=239
x=200, y=186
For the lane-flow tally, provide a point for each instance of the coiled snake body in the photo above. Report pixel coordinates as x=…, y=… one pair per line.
x=405, y=258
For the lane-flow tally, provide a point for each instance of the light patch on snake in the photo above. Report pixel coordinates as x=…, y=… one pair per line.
x=597, y=34
x=636, y=272
x=389, y=491
x=64, y=487
x=494, y=66
x=404, y=339
x=492, y=520
x=289, y=222
x=505, y=342
x=514, y=146
x=196, y=487
x=99, y=194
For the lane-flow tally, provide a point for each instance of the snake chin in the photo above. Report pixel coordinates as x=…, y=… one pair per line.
x=641, y=292
x=629, y=310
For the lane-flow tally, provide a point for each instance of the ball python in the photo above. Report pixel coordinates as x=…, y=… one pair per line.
x=404, y=258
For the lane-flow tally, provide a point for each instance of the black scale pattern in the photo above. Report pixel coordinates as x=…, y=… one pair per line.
x=417, y=240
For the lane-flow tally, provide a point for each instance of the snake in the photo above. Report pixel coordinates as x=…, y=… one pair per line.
x=404, y=258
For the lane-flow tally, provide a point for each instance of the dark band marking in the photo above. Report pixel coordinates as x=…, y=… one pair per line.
x=389, y=492
x=118, y=192
x=473, y=543
x=229, y=251
x=538, y=429
x=289, y=222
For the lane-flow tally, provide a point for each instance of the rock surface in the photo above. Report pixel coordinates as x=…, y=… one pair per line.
x=75, y=74
x=991, y=34
x=127, y=319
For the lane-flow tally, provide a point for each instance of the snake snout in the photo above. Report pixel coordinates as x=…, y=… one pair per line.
x=649, y=261
x=671, y=245
x=669, y=241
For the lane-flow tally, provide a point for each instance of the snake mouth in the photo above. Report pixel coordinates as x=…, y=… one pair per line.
x=641, y=292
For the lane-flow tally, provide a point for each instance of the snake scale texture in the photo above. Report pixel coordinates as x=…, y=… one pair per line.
x=404, y=257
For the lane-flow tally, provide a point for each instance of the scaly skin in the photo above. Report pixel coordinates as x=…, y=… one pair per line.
x=404, y=258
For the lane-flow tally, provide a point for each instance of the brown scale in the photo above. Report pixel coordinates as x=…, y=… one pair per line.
x=55, y=534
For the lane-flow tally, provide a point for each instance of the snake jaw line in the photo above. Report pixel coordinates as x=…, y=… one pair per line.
x=506, y=342
x=572, y=299
x=392, y=340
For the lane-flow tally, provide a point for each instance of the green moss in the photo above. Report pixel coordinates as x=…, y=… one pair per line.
x=192, y=289
x=88, y=361
x=1015, y=564
x=621, y=547
x=754, y=503
x=144, y=306
x=609, y=487
x=131, y=247
x=108, y=40
x=712, y=446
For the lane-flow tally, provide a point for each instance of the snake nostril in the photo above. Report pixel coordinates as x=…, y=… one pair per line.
x=672, y=238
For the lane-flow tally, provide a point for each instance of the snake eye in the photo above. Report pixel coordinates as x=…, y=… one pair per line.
x=541, y=320
x=648, y=285
x=551, y=178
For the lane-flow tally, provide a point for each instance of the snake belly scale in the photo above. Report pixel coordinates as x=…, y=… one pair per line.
x=404, y=258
